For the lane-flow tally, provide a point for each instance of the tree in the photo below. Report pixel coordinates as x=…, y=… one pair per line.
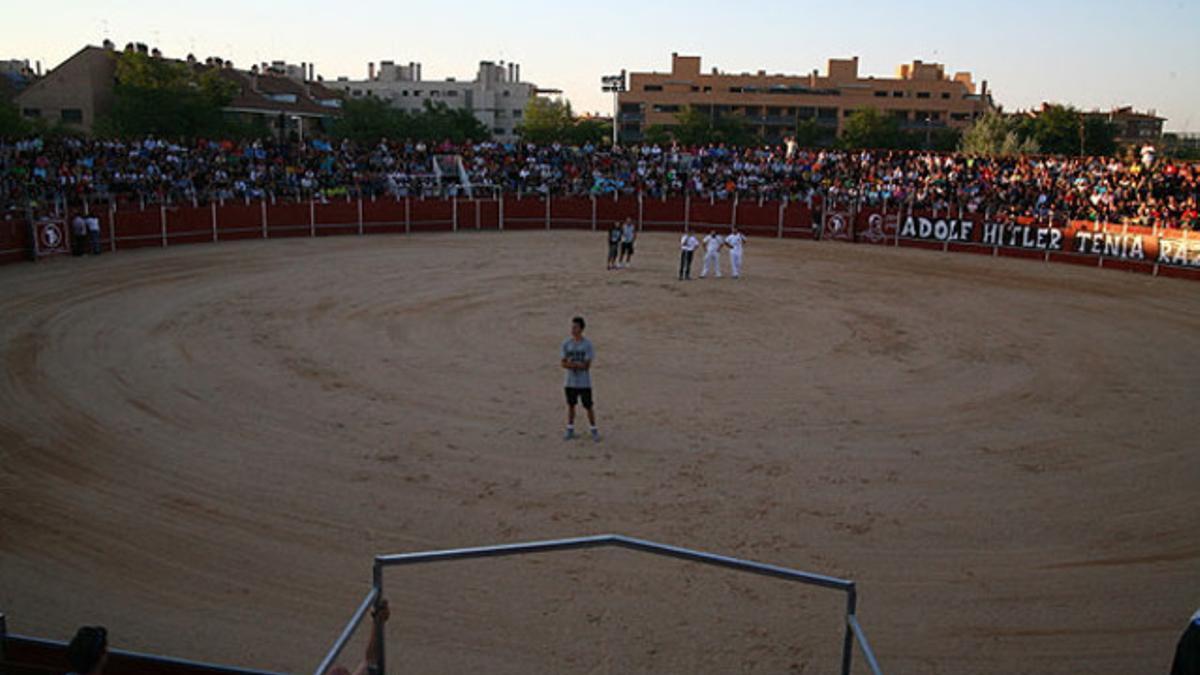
x=696, y=127
x=1058, y=130
x=166, y=98
x=588, y=131
x=870, y=128
x=808, y=133
x=995, y=135
x=11, y=123
x=1099, y=136
x=546, y=120
x=658, y=134
x=370, y=119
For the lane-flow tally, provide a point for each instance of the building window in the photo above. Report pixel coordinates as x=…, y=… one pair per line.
x=499, y=130
x=960, y=117
x=827, y=113
x=435, y=94
x=72, y=116
x=846, y=112
x=806, y=113
x=452, y=93
x=880, y=94
x=631, y=107
x=945, y=94
x=707, y=89
x=652, y=87
x=416, y=92
x=505, y=94
x=900, y=114
x=695, y=88
x=516, y=114
x=922, y=94
x=666, y=108
x=358, y=92
x=404, y=93
x=735, y=90
x=32, y=112
x=897, y=94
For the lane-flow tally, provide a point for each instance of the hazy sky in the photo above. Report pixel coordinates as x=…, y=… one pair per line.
x=1090, y=54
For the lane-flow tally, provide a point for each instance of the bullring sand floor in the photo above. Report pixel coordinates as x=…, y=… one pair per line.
x=202, y=447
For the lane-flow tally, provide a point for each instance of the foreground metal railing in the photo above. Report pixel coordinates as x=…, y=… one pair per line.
x=853, y=633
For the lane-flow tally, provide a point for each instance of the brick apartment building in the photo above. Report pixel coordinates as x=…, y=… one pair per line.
x=289, y=98
x=921, y=96
x=1132, y=127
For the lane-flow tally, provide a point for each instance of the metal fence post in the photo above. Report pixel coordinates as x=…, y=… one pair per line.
x=779, y=227
x=593, y=213
x=380, y=665
x=500, y=214
x=848, y=641
x=454, y=214
x=360, y=215
x=547, y=210
x=407, y=216
x=213, y=206
x=312, y=218
x=641, y=204
x=112, y=227
x=162, y=219
x=264, y=218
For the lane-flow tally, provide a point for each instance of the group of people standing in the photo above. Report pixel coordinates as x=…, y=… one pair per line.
x=85, y=235
x=735, y=241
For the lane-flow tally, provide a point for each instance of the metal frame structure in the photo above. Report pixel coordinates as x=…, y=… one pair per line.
x=854, y=631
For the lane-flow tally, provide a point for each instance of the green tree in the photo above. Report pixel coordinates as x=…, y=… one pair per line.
x=658, y=134
x=546, y=120
x=1099, y=136
x=808, y=133
x=697, y=127
x=995, y=135
x=166, y=98
x=1058, y=130
x=11, y=123
x=592, y=131
x=870, y=128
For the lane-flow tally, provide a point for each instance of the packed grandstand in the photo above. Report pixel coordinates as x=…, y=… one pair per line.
x=1137, y=190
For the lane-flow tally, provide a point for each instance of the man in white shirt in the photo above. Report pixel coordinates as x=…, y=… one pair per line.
x=93, y=227
x=687, y=249
x=735, y=240
x=628, y=235
x=712, y=254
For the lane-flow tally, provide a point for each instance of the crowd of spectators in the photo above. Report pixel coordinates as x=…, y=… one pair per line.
x=1139, y=189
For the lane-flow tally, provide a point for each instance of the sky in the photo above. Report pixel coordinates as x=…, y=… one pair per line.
x=1096, y=54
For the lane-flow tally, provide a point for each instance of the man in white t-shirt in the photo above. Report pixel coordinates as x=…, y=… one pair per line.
x=93, y=227
x=628, y=235
x=735, y=241
x=712, y=254
x=688, y=244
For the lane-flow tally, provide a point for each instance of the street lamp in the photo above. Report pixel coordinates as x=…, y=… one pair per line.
x=615, y=84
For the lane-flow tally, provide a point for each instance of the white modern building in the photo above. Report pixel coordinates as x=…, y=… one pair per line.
x=497, y=95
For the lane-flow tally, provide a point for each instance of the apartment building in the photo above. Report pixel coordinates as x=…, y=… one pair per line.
x=496, y=96
x=921, y=96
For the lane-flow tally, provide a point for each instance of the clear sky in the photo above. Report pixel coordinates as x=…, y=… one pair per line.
x=1090, y=54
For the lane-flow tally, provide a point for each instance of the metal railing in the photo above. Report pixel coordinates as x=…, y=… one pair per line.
x=853, y=630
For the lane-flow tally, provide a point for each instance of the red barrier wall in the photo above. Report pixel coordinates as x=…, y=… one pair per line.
x=189, y=225
x=384, y=215
x=288, y=220
x=715, y=216
x=797, y=221
x=571, y=213
x=138, y=229
x=1120, y=247
x=525, y=214
x=609, y=209
x=14, y=240
x=240, y=221
x=663, y=216
x=758, y=220
x=337, y=217
x=430, y=215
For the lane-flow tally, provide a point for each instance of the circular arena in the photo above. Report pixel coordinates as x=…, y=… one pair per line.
x=203, y=447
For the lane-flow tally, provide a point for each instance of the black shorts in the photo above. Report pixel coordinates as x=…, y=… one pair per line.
x=627, y=247
x=574, y=394
x=612, y=250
